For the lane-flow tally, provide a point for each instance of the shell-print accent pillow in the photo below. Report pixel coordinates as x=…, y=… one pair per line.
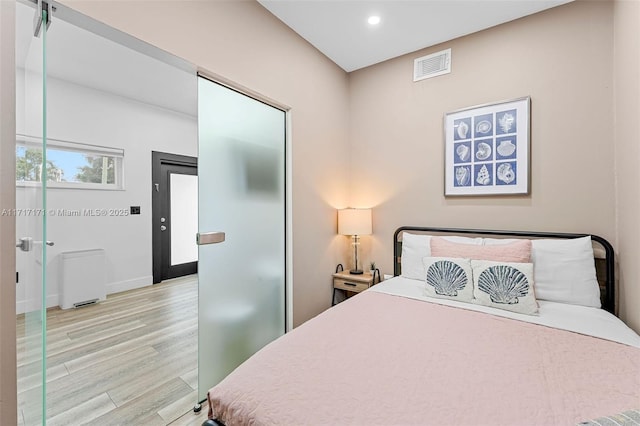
x=507, y=286
x=448, y=278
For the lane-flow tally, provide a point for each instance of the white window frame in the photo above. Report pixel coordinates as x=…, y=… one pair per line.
x=86, y=149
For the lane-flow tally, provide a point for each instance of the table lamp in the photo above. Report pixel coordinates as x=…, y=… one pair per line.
x=354, y=222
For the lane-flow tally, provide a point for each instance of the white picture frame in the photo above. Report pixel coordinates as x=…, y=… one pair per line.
x=487, y=149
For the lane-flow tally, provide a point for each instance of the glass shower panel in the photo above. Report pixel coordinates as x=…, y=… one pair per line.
x=31, y=218
x=241, y=168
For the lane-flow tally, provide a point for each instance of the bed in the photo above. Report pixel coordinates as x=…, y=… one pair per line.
x=397, y=355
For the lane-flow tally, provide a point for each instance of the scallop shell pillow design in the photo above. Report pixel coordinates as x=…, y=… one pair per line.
x=507, y=286
x=448, y=278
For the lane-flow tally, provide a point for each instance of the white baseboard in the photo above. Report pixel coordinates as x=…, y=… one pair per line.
x=118, y=286
x=23, y=306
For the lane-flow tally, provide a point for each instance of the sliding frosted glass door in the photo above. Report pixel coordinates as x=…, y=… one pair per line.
x=241, y=168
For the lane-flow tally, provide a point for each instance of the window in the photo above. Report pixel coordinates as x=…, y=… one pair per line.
x=69, y=164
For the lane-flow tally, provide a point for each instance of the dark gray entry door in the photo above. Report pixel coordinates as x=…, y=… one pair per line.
x=175, y=215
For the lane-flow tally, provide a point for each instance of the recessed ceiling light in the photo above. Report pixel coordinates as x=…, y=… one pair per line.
x=373, y=20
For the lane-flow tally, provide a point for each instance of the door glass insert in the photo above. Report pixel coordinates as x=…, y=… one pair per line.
x=183, y=190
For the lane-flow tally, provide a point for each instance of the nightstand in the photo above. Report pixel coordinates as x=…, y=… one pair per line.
x=351, y=283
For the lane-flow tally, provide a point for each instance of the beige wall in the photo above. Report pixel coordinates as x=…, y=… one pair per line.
x=563, y=59
x=7, y=223
x=243, y=43
x=626, y=46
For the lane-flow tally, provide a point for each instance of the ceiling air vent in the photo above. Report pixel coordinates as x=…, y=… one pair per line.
x=432, y=65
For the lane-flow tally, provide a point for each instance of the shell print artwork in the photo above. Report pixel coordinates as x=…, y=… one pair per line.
x=484, y=127
x=483, y=177
x=504, y=284
x=446, y=278
x=505, y=173
x=506, y=122
x=463, y=129
x=483, y=151
x=463, y=152
x=506, y=148
x=463, y=175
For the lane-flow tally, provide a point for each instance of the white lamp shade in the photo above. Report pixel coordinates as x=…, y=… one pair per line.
x=354, y=222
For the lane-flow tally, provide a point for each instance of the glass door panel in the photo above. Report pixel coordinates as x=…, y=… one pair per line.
x=30, y=215
x=241, y=168
x=183, y=192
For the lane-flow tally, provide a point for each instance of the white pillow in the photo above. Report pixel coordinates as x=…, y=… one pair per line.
x=448, y=278
x=417, y=246
x=414, y=248
x=564, y=270
x=504, y=285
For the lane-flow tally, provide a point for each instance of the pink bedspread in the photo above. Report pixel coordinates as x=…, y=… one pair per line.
x=389, y=360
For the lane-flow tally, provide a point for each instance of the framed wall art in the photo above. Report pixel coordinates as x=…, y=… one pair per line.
x=487, y=149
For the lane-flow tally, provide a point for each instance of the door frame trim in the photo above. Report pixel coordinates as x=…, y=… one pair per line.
x=288, y=202
x=8, y=368
x=157, y=160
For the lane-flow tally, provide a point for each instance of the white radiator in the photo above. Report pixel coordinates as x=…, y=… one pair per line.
x=82, y=278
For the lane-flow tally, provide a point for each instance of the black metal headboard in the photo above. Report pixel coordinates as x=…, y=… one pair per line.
x=605, y=267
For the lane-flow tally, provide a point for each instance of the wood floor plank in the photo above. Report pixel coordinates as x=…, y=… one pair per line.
x=171, y=367
x=85, y=355
x=128, y=337
x=191, y=418
x=105, y=328
x=122, y=379
x=144, y=409
x=191, y=378
x=179, y=407
x=26, y=382
x=187, y=337
x=55, y=348
x=84, y=413
x=154, y=323
x=122, y=361
x=109, y=359
x=81, y=386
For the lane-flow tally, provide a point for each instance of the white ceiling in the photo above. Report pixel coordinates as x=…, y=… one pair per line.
x=339, y=28
x=90, y=60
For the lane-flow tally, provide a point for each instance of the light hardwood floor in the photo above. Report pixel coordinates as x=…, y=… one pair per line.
x=129, y=360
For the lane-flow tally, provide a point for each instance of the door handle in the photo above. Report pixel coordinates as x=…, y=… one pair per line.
x=26, y=243
x=209, y=238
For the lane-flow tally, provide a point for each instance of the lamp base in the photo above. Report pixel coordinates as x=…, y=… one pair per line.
x=356, y=272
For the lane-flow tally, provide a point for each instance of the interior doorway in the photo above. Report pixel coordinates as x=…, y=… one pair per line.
x=89, y=111
x=175, y=215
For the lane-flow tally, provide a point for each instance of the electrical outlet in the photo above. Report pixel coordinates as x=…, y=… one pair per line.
x=135, y=209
